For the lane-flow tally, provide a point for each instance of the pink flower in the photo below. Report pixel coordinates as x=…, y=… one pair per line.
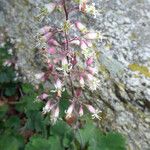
x=81, y=81
x=91, y=36
x=70, y=110
x=92, y=70
x=53, y=42
x=91, y=108
x=45, y=29
x=51, y=50
x=80, y=27
x=75, y=42
x=55, y=115
x=89, y=61
x=47, y=36
x=43, y=96
x=47, y=108
x=83, y=45
x=81, y=111
x=78, y=92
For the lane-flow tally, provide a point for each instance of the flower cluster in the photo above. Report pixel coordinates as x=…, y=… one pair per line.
x=71, y=63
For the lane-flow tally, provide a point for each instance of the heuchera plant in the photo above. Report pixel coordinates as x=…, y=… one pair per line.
x=71, y=63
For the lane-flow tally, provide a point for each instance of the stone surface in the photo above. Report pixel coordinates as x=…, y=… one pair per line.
x=124, y=95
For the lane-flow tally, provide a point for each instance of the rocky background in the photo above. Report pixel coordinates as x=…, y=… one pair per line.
x=124, y=93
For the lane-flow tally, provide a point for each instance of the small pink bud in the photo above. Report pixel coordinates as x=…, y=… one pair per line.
x=83, y=45
x=58, y=84
x=50, y=7
x=75, y=42
x=78, y=92
x=80, y=27
x=89, y=61
x=43, y=96
x=47, y=36
x=92, y=70
x=89, y=76
x=51, y=50
x=81, y=111
x=70, y=110
x=91, y=36
x=91, y=108
x=53, y=42
x=45, y=30
x=55, y=115
x=81, y=81
x=73, y=60
x=47, y=107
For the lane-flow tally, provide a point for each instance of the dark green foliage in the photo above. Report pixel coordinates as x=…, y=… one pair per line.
x=7, y=74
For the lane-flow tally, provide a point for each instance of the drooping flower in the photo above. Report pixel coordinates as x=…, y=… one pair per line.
x=89, y=61
x=46, y=37
x=81, y=81
x=43, y=96
x=80, y=27
x=54, y=115
x=92, y=35
x=47, y=108
x=90, y=108
x=96, y=115
x=45, y=30
x=70, y=110
x=81, y=111
x=51, y=50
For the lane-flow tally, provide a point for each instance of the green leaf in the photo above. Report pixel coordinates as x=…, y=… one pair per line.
x=3, y=110
x=112, y=141
x=27, y=88
x=35, y=121
x=10, y=141
x=10, y=91
x=13, y=122
x=39, y=143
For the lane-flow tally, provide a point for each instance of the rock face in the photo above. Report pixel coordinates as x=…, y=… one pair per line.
x=124, y=95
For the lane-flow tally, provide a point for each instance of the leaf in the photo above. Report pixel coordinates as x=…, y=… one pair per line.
x=39, y=143
x=112, y=141
x=13, y=122
x=10, y=91
x=27, y=88
x=10, y=141
x=3, y=110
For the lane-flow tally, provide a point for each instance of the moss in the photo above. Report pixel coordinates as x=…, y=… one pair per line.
x=142, y=69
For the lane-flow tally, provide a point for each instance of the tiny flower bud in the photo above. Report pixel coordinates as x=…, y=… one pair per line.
x=43, y=96
x=81, y=111
x=45, y=30
x=83, y=45
x=53, y=42
x=89, y=61
x=47, y=36
x=91, y=108
x=55, y=115
x=58, y=84
x=70, y=110
x=81, y=81
x=75, y=42
x=50, y=7
x=91, y=36
x=92, y=70
x=51, y=50
x=47, y=108
x=78, y=92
